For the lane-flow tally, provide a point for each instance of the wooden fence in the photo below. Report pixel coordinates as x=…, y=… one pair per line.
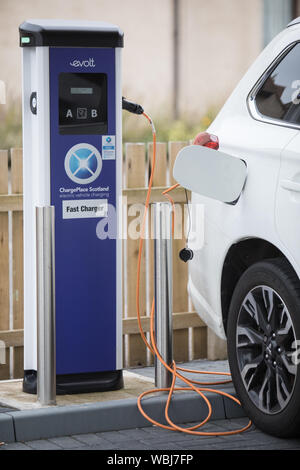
x=191, y=338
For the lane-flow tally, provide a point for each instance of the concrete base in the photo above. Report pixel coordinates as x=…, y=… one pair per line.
x=12, y=395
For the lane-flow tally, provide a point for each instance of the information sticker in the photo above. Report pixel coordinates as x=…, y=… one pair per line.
x=108, y=147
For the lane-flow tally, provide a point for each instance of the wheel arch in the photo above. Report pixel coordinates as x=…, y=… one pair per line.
x=240, y=256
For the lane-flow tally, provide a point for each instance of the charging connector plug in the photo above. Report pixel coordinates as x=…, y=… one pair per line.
x=186, y=254
x=131, y=107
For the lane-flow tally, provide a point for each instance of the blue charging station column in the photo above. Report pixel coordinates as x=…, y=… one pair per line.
x=72, y=108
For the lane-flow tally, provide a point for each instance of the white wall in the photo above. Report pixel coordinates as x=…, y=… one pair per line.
x=219, y=39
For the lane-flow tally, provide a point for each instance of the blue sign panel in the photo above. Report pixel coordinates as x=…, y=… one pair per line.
x=83, y=189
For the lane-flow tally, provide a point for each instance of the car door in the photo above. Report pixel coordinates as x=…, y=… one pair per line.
x=277, y=103
x=288, y=199
x=286, y=94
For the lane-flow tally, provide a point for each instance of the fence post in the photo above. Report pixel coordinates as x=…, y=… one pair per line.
x=180, y=269
x=4, y=261
x=163, y=291
x=135, y=162
x=16, y=156
x=46, y=367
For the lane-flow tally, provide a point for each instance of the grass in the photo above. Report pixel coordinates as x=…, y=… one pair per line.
x=136, y=129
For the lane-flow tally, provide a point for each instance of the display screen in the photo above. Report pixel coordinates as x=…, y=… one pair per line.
x=83, y=103
x=81, y=91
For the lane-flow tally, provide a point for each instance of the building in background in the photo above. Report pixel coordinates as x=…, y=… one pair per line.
x=181, y=57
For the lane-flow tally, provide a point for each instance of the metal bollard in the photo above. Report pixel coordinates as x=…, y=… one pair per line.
x=46, y=354
x=163, y=291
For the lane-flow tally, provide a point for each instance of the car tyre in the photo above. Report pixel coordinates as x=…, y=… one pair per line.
x=263, y=333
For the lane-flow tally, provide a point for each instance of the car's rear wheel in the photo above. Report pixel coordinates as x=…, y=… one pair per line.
x=263, y=333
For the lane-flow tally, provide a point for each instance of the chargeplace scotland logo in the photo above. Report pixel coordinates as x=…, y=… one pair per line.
x=83, y=163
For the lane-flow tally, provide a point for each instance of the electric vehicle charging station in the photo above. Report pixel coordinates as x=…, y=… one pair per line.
x=55, y=133
x=72, y=143
x=72, y=105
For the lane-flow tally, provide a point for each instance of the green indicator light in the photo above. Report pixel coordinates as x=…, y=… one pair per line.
x=25, y=40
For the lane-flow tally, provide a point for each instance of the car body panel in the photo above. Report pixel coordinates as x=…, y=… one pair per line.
x=265, y=210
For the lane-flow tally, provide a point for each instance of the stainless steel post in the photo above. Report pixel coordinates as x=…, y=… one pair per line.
x=46, y=357
x=163, y=290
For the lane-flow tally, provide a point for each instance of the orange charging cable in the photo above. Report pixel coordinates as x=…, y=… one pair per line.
x=173, y=369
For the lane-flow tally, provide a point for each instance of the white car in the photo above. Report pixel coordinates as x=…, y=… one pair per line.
x=244, y=280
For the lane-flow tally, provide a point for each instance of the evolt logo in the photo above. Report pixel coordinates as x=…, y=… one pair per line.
x=83, y=63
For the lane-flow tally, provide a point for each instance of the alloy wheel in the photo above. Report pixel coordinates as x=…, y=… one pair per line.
x=266, y=349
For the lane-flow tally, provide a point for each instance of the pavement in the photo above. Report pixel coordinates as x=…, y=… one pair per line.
x=153, y=438
x=197, y=365
x=141, y=437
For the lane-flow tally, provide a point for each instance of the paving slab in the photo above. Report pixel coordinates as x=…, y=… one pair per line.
x=15, y=446
x=66, y=442
x=161, y=439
